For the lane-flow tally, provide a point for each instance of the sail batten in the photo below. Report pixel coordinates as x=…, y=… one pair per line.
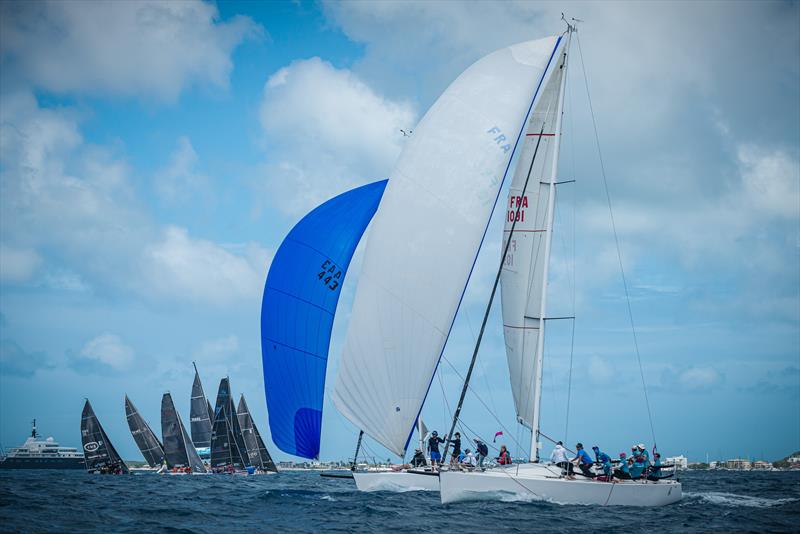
x=426, y=237
x=301, y=295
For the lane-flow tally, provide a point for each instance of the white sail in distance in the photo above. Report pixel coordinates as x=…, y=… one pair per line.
x=426, y=236
x=522, y=280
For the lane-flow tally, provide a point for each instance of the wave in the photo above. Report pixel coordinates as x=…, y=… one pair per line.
x=732, y=499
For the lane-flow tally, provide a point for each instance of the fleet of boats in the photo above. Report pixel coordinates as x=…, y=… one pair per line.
x=501, y=118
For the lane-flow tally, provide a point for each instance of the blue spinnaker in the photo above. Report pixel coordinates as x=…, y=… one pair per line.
x=303, y=287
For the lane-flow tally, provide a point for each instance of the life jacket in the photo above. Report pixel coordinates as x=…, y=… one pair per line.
x=505, y=458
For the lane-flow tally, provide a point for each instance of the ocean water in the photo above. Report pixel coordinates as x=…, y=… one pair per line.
x=66, y=501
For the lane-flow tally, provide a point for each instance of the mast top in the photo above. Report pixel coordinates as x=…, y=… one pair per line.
x=572, y=23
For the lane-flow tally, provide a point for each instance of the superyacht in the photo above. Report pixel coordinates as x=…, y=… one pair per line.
x=37, y=453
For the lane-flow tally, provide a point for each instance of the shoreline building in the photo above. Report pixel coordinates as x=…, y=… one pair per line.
x=681, y=462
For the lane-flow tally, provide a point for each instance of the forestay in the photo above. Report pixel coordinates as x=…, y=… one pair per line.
x=522, y=278
x=426, y=237
x=300, y=298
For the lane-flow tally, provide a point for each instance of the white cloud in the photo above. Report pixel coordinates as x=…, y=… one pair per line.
x=180, y=177
x=199, y=270
x=153, y=47
x=600, y=371
x=73, y=205
x=699, y=378
x=217, y=351
x=18, y=265
x=771, y=180
x=110, y=350
x=326, y=132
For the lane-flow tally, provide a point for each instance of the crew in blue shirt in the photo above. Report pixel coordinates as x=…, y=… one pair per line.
x=605, y=462
x=584, y=461
x=624, y=471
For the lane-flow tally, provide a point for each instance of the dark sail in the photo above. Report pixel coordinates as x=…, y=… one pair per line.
x=223, y=444
x=99, y=453
x=145, y=439
x=256, y=450
x=199, y=416
x=178, y=448
x=239, y=450
x=210, y=412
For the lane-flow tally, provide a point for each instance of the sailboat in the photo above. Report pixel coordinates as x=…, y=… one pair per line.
x=301, y=294
x=200, y=417
x=99, y=454
x=423, y=245
x=179, y=451
x=257, y=454
x=145, y=439
x=523, y=272
x=228, y=451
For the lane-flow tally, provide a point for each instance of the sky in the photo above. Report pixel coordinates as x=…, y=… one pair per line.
x=154, y=154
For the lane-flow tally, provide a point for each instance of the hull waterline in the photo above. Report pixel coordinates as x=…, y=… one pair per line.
x=397, y=481
x=541, y=484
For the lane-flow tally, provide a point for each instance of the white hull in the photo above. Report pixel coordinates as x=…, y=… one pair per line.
x=536, y=482
x=398, y=481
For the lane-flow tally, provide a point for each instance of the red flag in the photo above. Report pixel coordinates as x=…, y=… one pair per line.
x=495, y=436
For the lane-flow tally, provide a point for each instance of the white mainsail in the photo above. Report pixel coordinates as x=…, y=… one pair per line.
x=426, y=236
x=522, y=280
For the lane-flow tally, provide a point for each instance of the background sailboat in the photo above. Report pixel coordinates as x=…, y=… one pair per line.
x=143, y=435
x=178, y=448
x=99, y=454
x=257, y=453
x=200, y=416
x=224, y=451
x=227, y=442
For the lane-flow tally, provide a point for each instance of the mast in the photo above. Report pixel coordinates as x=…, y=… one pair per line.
x=551, y=199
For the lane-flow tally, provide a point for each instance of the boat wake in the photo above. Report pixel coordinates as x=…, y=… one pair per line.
x=732, y=499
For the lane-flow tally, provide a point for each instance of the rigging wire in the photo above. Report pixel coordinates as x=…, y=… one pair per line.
x=493, y=414
x=616, y=241
x=574, y=261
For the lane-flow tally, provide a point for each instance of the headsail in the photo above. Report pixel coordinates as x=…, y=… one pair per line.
x=224, y=400
x=199, y=414
x=300, y=297
x=426, y=237
x=522, y=279
x=178, y=448
x=256, y=450
x=143, y=435
x=99, y=453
